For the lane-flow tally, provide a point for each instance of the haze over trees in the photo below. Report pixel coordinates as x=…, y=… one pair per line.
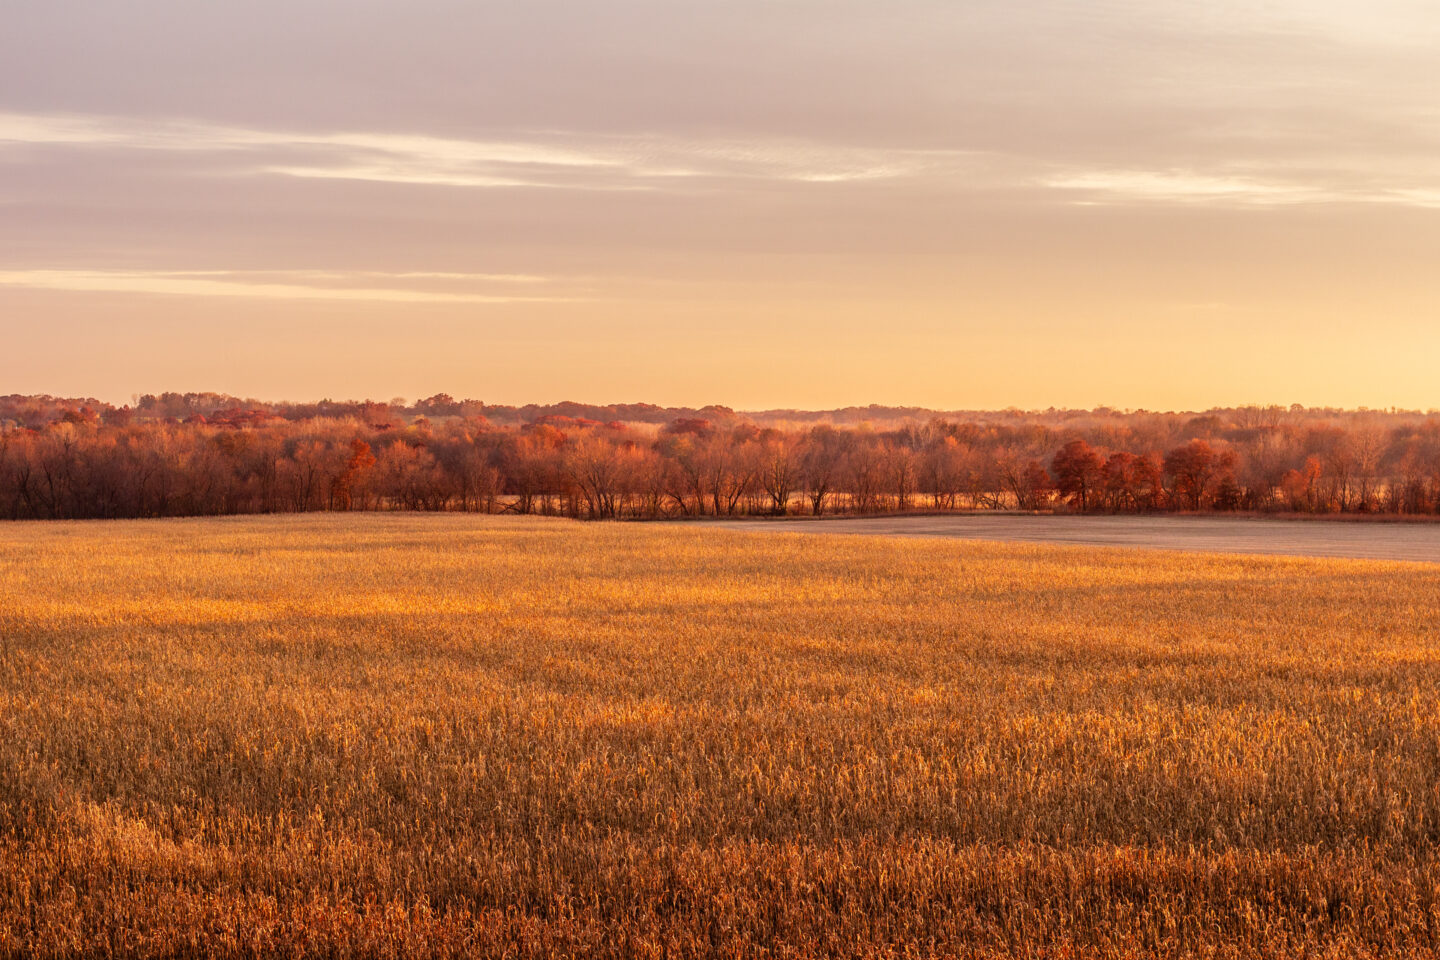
x=205, y=454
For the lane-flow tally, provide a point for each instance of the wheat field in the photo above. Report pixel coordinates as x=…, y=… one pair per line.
x=415, y=736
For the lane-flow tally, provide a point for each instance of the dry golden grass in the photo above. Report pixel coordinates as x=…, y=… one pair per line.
x=450, y=736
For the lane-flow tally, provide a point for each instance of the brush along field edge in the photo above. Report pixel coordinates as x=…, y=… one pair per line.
x=402, y=735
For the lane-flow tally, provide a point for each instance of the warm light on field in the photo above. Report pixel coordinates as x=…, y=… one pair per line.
x=401, y=734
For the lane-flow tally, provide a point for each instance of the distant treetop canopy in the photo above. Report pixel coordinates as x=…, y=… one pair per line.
x=207, y=453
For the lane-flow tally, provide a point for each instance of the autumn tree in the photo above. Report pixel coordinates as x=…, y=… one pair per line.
x=729, y=465
x=1194, y=470
x=944, y=471
x=820, y=456
x=1035, y=488
x=1120, y=482
x=863, y=474
x=682, y=444
x=1300, y=486
x=902, y=468
x=1025, y=480
x=1079, y=474
x=343, y=485
x=603, y=471
x=778, y=470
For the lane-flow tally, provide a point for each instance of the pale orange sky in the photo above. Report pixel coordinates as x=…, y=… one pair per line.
x=761, y=203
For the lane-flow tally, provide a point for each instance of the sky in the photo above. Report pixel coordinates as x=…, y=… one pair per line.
x=958, y=204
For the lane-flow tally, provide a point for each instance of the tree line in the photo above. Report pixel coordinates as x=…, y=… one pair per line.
x=83, y=459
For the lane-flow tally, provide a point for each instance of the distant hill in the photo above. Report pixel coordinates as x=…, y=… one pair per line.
x=37, y=410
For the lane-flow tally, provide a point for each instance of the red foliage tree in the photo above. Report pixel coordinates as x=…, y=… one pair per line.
x=1035, y=488
x=1195, y=470
x=1079, y=474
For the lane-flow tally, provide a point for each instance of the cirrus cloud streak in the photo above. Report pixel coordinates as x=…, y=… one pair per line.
x=307, y=285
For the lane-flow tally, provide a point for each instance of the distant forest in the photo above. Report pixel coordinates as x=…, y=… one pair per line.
x=203, y=454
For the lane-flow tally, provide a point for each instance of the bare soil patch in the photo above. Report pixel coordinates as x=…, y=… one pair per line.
x=1308, y=538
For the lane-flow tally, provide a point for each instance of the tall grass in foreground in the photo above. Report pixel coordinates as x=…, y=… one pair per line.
x=452, y=736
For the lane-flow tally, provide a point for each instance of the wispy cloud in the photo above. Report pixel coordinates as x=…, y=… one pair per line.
x=552, y=159
x=1173, y=186
x=399, y=173
x=595, y=162
x=271, y=285
x=1224, y=189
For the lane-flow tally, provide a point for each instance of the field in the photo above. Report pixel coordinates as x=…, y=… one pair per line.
x=410, y=735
